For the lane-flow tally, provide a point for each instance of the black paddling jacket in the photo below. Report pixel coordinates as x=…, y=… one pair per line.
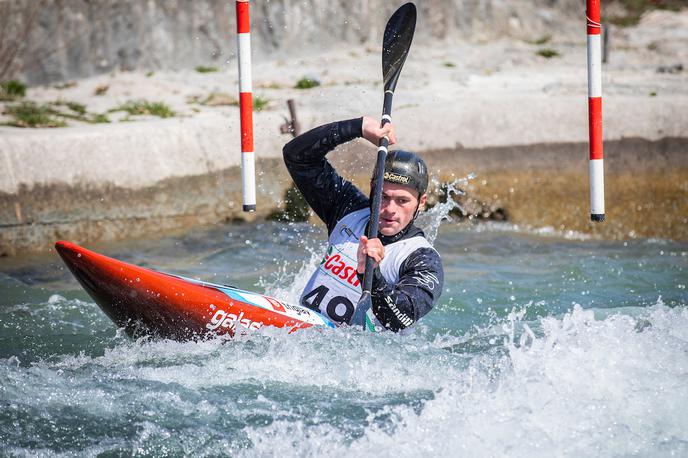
x=396, y=306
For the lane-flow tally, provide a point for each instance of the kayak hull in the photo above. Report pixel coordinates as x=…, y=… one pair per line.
x=149, y=303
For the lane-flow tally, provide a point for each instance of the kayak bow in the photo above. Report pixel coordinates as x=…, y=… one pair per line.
x=145, y=302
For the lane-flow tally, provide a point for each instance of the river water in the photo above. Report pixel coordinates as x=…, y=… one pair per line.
x=543, y=344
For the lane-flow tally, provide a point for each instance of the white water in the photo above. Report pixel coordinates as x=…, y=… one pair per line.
x=575, y=385
x=586, y=387
x=507, y=364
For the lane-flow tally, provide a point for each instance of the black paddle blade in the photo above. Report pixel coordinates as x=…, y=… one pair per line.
x=364, y=304
x=395, y=47
x=396, y=43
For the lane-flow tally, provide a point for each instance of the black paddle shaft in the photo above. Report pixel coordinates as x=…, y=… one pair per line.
x=395, y=47
x=377, y=191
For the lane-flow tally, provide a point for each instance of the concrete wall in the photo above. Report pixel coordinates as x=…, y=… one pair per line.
x=72, y=39
x=126, y=179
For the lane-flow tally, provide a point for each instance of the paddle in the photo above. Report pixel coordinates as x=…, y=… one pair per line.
x=395, y=47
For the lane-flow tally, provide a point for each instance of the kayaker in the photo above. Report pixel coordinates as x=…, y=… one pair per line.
x=408, y=274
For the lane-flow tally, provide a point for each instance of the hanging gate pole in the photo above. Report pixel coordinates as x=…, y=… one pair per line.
x=596, y=164
x=248, y=173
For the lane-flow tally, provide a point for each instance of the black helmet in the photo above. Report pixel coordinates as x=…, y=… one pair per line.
x=408, y=169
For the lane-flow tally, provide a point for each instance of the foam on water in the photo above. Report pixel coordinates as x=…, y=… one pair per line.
x=296, y=279
x=572, y=385
x=584, y=387
x=505, y=365
x=544, y=231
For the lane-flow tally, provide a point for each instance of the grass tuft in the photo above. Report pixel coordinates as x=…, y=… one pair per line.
x=144, y=107
x=541, y=41
x=206, y=69
x=78, y=112
x=307, y=83
x=99, y=118
x=12, y=90
x=77, y=108
x=260, y=103
x=29, y=114
x=547, y=53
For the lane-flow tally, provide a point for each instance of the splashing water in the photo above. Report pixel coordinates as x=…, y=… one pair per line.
x=288, y=283
x=296, y=279
x=539, y=346
x=431, y=220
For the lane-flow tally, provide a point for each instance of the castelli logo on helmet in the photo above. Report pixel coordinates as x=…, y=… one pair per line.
x=396, y=178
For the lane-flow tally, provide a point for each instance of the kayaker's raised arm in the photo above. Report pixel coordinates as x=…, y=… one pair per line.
x=408, y=279
x=328, y=194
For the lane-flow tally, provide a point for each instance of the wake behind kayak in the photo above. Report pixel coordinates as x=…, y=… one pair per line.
x=149, y=303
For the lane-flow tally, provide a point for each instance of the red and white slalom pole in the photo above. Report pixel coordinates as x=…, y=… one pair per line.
x=596, y=167
x=248, y=165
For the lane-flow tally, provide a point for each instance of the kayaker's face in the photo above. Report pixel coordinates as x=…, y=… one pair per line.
x=398, y=207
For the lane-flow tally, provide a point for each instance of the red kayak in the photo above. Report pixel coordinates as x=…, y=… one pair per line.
x=146, y=302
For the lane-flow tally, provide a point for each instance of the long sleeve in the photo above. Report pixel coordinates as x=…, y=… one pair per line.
x=328, y=194
x=421, y=278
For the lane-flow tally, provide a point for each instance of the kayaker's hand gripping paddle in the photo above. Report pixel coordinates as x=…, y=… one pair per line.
x=395, y=47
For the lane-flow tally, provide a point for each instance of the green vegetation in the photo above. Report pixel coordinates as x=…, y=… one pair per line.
x=77, y=108
x=77, y=112
x=29, y=114
x=306, y=83
x=653, y=94
x=634, y=10
x=260, y=103
x=206, y=69
x=541, y=41
x=144, y=107
x=449, y=64
x=547, y=53
x=99, y=118
x=149, y=74
x=12, y=90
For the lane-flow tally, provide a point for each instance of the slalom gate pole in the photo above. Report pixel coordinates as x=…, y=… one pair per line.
x=248, y=166
x=596, y=164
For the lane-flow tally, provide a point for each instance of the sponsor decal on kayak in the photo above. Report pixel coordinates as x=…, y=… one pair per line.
x=268, y=303
x=230, y=320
